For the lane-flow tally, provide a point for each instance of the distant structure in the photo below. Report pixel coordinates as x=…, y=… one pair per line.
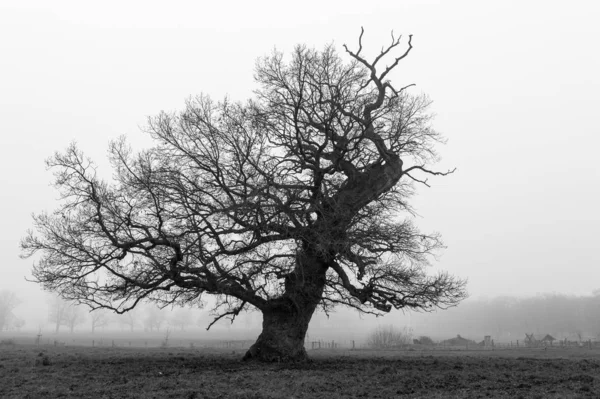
x=458, y=341
x=535, y=341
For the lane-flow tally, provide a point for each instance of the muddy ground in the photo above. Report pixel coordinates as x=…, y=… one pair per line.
x=30, y=371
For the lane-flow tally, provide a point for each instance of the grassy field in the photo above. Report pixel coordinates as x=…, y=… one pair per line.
x=30, y=371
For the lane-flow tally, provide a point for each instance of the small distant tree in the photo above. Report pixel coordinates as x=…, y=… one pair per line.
x=128, y=319
x=165, y=342
x=73, y=316
x=15, y=323
x=99, y=319
x=57, y=308
x=180, y=318
x=19, y=324
x=426, y=340
x=389, y=337
x=154, y=318
x=8, y=302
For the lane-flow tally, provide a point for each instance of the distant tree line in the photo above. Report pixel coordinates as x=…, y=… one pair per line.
x=70, y=316
x=8, y=320
x=148, y=318
x=509, y=318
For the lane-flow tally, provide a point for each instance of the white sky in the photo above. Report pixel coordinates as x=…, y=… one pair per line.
x=515, y=85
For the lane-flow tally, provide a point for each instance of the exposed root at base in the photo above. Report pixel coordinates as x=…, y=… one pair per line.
x=270, y=355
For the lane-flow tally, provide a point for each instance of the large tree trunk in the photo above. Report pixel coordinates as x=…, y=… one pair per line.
x=282, y=337
x=286, y=319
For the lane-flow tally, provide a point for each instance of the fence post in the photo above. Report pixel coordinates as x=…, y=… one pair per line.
x=352, y=344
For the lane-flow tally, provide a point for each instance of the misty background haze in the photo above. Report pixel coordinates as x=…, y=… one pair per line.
x=515, y=89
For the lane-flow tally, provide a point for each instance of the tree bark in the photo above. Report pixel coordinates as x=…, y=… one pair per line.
x=286, y=319
x=282, y=337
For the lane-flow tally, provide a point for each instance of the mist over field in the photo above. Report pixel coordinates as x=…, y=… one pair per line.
x=505, y=319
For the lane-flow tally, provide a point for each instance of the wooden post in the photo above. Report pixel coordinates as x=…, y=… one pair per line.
x=93, y=343
x=352, y=344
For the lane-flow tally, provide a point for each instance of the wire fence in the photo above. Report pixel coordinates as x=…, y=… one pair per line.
x=312, y=344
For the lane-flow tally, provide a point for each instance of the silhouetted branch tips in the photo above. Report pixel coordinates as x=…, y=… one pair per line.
x=362, y=32
x=234, y=313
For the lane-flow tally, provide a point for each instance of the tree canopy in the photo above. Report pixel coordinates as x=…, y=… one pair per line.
x=294, y=199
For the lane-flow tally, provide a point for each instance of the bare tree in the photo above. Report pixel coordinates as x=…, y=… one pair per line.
x=181, y=318
x=73, y=316
x=57, y=308
x=8, y=302
x=293, y=200
x=154, y=318
x=17, y=323
x=64, y=313
x=99, y=319
x=129, y=319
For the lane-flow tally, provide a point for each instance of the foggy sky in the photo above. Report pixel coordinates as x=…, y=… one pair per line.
x=515, y=87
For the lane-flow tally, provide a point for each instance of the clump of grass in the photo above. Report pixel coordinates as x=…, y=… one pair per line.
x=42, y=360
x=7, y=342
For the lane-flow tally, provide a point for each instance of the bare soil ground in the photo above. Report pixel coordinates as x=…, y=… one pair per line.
x=29, y=371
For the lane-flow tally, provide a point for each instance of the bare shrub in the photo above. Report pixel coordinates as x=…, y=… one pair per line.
x=389, y=337
x=165, y=342
x=42, y=360
x=425, y=340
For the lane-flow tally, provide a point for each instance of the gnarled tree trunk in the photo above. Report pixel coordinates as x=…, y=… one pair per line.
x=286, y=319
x=282, y=337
